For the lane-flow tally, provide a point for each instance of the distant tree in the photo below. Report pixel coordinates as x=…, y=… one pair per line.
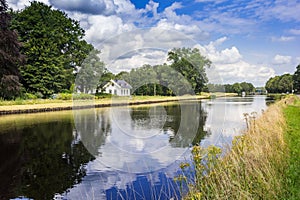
x=280, y=84
x=228, y=88
x=237, y=88
x=105, y=77
x=121, y=75
x=90, y=71
x=296, y=79
x=272, y=84
x=215, y=87
x=53, y=45
x=247, y=87
x=191, y=64
x=10, y=56
x=285, y=83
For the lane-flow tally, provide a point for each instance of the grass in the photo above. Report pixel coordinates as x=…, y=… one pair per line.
x=292, y=137
x=263, y=163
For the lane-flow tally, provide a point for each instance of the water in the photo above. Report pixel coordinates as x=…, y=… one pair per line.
x=112, y=153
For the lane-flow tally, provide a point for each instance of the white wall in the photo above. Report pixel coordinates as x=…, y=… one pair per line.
x=117, y=91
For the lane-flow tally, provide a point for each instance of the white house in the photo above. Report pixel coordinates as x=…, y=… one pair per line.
x=117, y=87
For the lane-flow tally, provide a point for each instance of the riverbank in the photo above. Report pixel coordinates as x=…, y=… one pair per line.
x=292, y=138
x=34, y=106
x=263, y=163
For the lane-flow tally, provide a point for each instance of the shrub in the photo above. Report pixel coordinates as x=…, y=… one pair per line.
x=30, y=96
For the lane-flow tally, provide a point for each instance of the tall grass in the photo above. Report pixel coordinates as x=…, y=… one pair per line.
x=253, y=168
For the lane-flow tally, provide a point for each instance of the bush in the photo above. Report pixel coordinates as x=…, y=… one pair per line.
x=30, y=96
x=69, y=96
x=103, y=95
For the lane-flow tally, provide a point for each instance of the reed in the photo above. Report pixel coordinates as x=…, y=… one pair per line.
x=253, y=168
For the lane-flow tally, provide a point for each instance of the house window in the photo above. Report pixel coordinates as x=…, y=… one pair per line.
x=109, y=91
x=112, y=84
x=115, y=92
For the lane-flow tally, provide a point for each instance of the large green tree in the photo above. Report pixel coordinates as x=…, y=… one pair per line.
x=191, y=64
x=296, y=79
x=53, y=44
x=10, y=56
x=280, y=84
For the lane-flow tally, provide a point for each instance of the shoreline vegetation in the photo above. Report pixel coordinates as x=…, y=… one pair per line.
x=49, y=105
x=263, y=163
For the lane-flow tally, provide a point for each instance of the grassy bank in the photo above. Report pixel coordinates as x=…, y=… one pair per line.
x=292, y=137
x=42, y=105
x=256, y=165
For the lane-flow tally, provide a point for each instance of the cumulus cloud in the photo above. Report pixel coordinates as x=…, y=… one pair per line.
x=280, y=59
x=229, y=67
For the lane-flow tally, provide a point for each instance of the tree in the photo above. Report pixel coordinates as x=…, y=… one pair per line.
x=296, y=79
x=280, y=84
x=191, y=64
x=91, y=70
x=105, y=77
x=237, y=88
x=247, y=87
x=285, y=83
x=53, y=45
x=10, y=56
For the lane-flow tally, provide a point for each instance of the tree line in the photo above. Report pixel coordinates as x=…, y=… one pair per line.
x=248, y=88
x=286, y=83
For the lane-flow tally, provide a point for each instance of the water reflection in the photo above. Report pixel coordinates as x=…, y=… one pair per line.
x=140, y=139
x=112, y=153
x=41, y=160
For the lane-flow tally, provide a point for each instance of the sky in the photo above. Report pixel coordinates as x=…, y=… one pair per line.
x=246, y=40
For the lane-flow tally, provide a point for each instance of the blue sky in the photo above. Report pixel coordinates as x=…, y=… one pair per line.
x=247, y=40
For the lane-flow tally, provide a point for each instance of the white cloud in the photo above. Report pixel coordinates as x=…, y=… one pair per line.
x=105, y=27
x=210, y=1
x=284, y=10
x=298, y=60
x=280, y=59
x=20, y=4
x=229, y=67
x=295, y=31
x=283, y=39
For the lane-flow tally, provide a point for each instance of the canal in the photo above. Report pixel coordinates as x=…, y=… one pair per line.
x=124, y=152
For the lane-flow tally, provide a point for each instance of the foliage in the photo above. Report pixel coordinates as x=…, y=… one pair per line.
x=10, y=56
x=53, y=45
x=234, y=88
x=90, y=71
x=252, y=169
x=181, y=77
x=105, y=77
x=191, y=64
x=9, y=87
x=79, y=96
x=296, y=79
x=215, y=87
x=280, y=84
